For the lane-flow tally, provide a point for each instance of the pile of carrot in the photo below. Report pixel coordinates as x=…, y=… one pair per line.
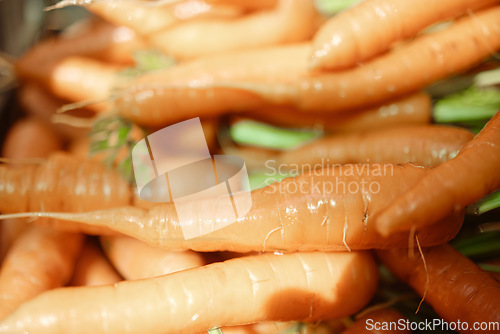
x=374, y=198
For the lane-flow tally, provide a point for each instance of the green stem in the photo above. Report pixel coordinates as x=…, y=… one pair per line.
x=486, y=204
x=215, y=331
x=490, y=267
x=264, y=135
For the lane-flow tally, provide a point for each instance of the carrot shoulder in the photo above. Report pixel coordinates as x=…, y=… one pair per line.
x=372, y=26
x=458, y=289
x=461, y=181
x=323, y=286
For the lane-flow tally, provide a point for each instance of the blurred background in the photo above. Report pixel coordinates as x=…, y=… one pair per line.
x=23, y=22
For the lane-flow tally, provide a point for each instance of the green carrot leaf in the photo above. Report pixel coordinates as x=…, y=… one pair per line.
x=254, y=133
x=472, y=105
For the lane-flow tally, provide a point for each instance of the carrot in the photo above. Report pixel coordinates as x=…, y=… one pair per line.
x=378, y=322
x=79, y=79
x=406, y=69
x=475, y=293
x=39, y=260
x=327, y=210
x=291, y=22
x=19, y=142
x=42, y=105
x=92, y=268
x=424, y=145
x=247, y=4
x=135, y=259
x=186, y=88
x=61, y=183
x=415, y=108
x=100, y=40
x=472, y=174
x=27, y=138
x=372, y=26
x=147, y=20
x=198, y=299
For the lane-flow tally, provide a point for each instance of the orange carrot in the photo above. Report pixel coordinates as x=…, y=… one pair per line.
x=42, y=105
x=372, y=26
x=40, y=259
x=291, y=22
x=147, y=20
x=424, y=145
x=475, y=293
x=61, y=183
x=99, y=40
x=247, y=4
x=135, y=259
x=186, y=88
x=323, y=286
x=409, y=68
x=92, y=268
x=415, y=108
x=327, y=210
x=79, y=79
x=20, y=141
x=27, y=138
x=378, y=322
x=472, y=174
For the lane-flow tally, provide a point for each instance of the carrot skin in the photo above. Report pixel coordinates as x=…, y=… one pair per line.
x=412, y=109
x=474, y=169
x=458, y=289
x=92, y=268
x=372, y=26
x=61, y=183
x=20, y=144
x=406, y=69
x=39, y=260
x=290, y=22
x=426, y=145
x=197, y=299
x=134, y=259
x=187, y=88
x=314, y=211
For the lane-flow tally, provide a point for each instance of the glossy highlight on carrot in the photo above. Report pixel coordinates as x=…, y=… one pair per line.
x=424, y=145
x=328, y=210
x=372, y=26
x=61, y=183
x=321, y=287
x=406, y=69
x=436, y=195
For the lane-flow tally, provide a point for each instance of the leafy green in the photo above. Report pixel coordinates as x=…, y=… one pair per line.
x=260, y=134
x=479, y=245
x=261, y=179
x=215, y=331
x=147, y=61
x=109, y=136
x=472, y=105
